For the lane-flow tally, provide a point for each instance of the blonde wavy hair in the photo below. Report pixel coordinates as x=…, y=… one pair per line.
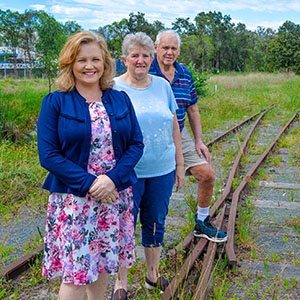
x=66, y=80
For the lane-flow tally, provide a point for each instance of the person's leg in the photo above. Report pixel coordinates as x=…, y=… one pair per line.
x=138, y=191
x=153, y=212
x=205, y=176
x=96, y=290
x=199, y=168
x=121, y=279
x=153, y=279
x=203, y=227
x=69, y=291
x=152, y=256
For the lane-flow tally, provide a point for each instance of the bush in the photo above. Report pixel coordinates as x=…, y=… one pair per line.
x=200, y=80
x=20, y=102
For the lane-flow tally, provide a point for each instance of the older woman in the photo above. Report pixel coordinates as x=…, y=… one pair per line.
x=89, y=140
x=162, y=161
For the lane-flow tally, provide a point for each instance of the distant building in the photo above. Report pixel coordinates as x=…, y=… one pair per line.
x=7, y=58
x=7, y=53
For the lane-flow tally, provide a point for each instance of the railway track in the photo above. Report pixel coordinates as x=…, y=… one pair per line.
x=224, y=210
x=227, y=205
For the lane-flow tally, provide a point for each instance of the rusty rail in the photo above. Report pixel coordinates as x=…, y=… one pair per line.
x=202, y=285
x=14, y=269
x=188, y=239
x=232, y=260
x=22, y=264
x=212, y=247
x=205, y=275
x=236, y=127
x=234, y=168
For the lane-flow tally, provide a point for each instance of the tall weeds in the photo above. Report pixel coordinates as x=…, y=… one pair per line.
x=19, y=107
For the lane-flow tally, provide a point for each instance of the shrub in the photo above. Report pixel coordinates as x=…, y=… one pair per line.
x=200, y=80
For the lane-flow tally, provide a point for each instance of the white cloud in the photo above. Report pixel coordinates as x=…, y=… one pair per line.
x=93, y=13
x=257, y=5
x=94, y=2
x=74, y=11
x=38, y=6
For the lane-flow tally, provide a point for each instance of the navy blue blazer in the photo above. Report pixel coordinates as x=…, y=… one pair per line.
x=64, y=139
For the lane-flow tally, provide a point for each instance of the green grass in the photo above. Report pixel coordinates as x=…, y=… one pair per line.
x=238, y=96
x=21, y=177
x=20, y=102
x=230, y=99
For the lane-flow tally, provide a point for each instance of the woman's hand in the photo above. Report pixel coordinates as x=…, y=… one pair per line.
x=179, y=177
x=103, y=189
x=110, y=198
x=179, y=171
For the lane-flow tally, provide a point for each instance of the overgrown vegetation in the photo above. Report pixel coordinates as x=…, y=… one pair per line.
x=230, y=99
x=20, y=102
x=20, y=171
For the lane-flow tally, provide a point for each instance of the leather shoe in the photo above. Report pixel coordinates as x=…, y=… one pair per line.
x=162, y=283
x=119, y=294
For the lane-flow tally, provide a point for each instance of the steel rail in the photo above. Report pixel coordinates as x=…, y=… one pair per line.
x=170, y=291
x=232, y=260
x=236, y=127
x=202, y=285
x=235, y=166
x=184, y=270
x=212, y=247
x=14, y=269
x=188, y=239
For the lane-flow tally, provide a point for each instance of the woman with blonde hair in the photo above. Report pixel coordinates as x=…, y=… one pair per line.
x=89, y=140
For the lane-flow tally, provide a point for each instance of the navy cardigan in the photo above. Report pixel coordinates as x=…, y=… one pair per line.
x=64, y=139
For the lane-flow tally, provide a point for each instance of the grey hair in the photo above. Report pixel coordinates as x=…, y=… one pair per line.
x=162, y=32
x=137, y=39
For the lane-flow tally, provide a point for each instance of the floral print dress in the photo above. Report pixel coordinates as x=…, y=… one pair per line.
x=83, y=236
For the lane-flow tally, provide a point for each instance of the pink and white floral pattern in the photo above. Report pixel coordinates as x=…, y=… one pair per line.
x=83, y=236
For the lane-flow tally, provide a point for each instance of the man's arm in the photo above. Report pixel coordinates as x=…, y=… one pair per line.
x=195, y=123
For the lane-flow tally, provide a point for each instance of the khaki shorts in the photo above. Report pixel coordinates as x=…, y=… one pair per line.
x=190, y=155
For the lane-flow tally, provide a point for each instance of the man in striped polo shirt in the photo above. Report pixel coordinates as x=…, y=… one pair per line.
x=195, y=153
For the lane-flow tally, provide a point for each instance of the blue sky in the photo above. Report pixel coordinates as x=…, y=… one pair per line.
x=91, y=14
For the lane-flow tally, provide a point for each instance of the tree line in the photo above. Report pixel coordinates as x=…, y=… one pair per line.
x=211, y=42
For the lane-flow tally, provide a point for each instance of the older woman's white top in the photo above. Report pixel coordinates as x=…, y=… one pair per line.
x=154, y=107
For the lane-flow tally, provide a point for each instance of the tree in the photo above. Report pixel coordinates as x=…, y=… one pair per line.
x=72, y=27
x=51, y=38
x=241, y=52
x=219, y=30
x=283, y=51
x=184, y=27
x=197, y=51
x=28, y=34
x=260, y=40
x=115, y=33
x=10, y=25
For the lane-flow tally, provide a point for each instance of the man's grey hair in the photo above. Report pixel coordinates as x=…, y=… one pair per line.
x=137, y=39
x=162, y=32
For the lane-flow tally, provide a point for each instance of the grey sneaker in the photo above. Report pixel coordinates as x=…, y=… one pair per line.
x=205, y=229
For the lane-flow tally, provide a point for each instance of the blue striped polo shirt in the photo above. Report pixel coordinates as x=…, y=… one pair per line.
x=183, y=88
